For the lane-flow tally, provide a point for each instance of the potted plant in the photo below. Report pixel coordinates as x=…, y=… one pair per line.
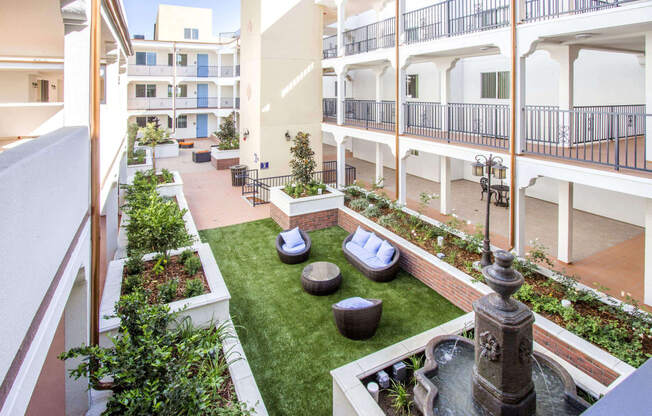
x=226, y=153
x=152, y=137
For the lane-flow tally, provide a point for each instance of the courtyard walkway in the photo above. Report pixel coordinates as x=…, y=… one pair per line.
x=608, y=253
x=211, y=198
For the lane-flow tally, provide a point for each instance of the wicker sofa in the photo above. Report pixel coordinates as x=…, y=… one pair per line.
x=361, y=323
x=293, y=258
x=383, y=274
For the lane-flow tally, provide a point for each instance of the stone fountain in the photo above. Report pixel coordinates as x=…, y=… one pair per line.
x=498, y=374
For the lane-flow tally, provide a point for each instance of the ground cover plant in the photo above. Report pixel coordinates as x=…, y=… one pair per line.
x=161, y=364
x=290, y=338
x=628, y=336
x=165, y=176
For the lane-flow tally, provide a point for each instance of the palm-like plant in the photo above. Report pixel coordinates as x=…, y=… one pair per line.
x=153, y=136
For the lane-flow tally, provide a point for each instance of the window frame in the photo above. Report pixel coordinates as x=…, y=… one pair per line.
x=183, y=125
x=190, y=33
x=495, y=85
x=412, y=83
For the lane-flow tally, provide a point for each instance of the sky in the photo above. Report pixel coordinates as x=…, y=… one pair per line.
x=141, y=14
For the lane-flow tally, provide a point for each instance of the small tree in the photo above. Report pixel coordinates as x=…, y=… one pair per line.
x=303, y=159
x=152, y=136
x=228, y=136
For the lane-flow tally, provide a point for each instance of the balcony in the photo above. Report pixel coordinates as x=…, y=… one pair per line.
x=370, y=37
x=536, y=10
x=150, y=103
x=182, y=103
x=329, y=47
x=612, y=136
x=193, y=71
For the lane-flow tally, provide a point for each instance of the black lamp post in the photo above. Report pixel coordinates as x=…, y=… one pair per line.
x=492, y=165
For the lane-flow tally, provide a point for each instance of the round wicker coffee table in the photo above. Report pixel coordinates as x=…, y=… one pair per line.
x=321, y=278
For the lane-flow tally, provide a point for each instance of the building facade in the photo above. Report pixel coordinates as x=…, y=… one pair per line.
x=185, y=74
x=582, y=96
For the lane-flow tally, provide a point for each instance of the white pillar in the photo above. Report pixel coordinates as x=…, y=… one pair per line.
x=444, y=66
x=565, y=222
x=402, y=180
x=341, y=18
x=647, y=287
x=379, y=72
x=341, y=79
x=341, y=162
x=648, y=95
x=380, y=180
x=445, y=194
x=565, y=56
x=77, y=69
x=519, y=222
x=401, y=101
x=401, y=22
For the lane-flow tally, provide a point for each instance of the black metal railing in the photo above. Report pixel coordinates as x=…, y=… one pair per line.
x=370, y=37
x=329, y=109
x=605, y=135
x=478, y=124
x=237, y=102
x=256, y=190
x=370, y=114
x=551, y=9
x=330, y=47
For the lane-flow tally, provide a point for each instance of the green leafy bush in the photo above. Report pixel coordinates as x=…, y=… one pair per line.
x=228, y=135
x=185, y=255
x=160, y=365
x=134, y=264
x=388, y=221
x=303, y=162
x=194, y=287
x=132, y=283
x=137, y=157
x=359, y=204
x=192, y=265
x=153, y=136
x=167, y=291
x=372, y=211
x=168, y=177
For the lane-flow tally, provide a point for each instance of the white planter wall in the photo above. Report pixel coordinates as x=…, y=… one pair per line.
x=224, y=154
x=132, y=169
x=291, y=207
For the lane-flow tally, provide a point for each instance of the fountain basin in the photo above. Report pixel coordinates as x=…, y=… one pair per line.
x=444, y=384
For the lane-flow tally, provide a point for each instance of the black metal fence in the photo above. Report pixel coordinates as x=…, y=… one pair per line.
x=370, y=114
x=605, y=135
x=370, y=37
x=330, y=47
x=550, y=9
x=329, y=108
x=256, y=190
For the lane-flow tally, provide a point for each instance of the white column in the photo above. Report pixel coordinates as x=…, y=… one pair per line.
x=401, y=101
x=76, y=58
x=402, y=180
x=341, y=162
x=341, y=79
x=379, y=72
x=444, y=66
x=401, y=22
x=519, y=222
x=565, y=56
x=565, y=222
x=380, y=180
x=648, y=95
x=445, y=194
x=647, y=288
x=341, y=18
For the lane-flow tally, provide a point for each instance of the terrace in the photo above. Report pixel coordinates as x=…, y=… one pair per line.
x=196, y=71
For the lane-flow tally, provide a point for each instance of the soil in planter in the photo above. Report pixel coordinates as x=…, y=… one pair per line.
x=542, y=285
x=173, y=269
x=306, y=193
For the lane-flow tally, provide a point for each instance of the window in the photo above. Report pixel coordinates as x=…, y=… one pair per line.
x=182, y=59
x=145, y=90
x=146, y=58
x=495, y=85
x=412, y=87
x=182, y=122
x=102, y=83
x=169, y=90
x=44, y=86
x=141, y=121
x=182, y=91
x=169, y=122
x=190, y=33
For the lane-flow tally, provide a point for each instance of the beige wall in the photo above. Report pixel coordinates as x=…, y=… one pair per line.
x=16, y=86
x=280, y=79
x=172, y=20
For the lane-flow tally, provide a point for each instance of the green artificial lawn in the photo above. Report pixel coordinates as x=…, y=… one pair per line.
x=289, y=336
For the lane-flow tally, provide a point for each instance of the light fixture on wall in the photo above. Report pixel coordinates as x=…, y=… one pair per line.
x=287, y=136
x=34, y=84
x=245, y=134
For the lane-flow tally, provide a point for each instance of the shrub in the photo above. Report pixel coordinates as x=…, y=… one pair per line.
x=134, y=264
x=401, y=398
x=136, y=157
x=353, y=190
x=387, y=221
x=192, y=265
x=152, y=136
x=372, y=211
x=168, y=177
x=160, y=365
x=132, y=283
x=227, y=135
x=167, y=291
x=303, y=159
x=185, y=255
x=359, y=204
x=194, y=287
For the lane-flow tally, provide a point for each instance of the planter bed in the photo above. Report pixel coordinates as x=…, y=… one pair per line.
x=211, y=307
x=147, y=165
x=177, y=195
x=540, y=293
x=462, y=289
x=224, y=159
x=165, y=188
x=164, y=150
x=308, y=213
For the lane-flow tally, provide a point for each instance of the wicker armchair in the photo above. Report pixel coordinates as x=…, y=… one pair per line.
x=384, y=274
x=293, y=258
x=358, y=323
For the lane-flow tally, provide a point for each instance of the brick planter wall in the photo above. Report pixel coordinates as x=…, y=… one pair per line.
x=307, y=222
x=463, y=296
x=222, y=164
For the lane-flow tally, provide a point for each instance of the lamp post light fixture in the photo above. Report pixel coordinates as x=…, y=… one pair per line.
x=491, y=166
